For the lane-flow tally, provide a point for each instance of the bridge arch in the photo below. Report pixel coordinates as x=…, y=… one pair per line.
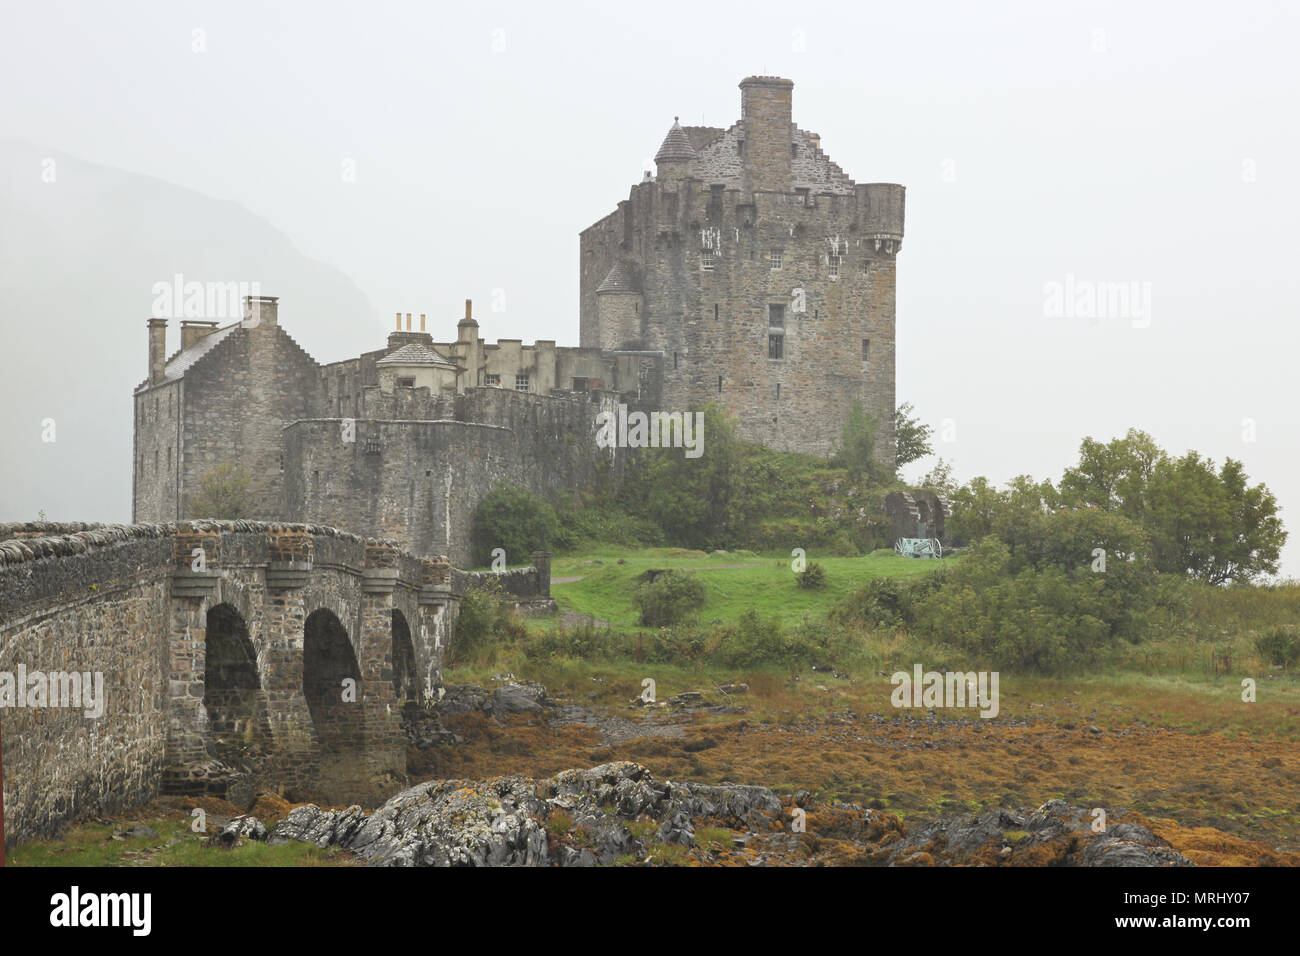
x=328, y=660
x=233, y=695
x=406, y=679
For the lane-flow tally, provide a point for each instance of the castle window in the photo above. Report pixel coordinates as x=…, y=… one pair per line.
x=833, y=261
x=778, y=391
x=775, y=257
x=579, y=385
x=521, y=383
x=775, y=346
x=674, y=360
x=406, y=381
x=706, y=260
x=803, y=196
x=776, y=316
x=715, y=312
x=794, y=152
x=719, y=384
x=169, y=459
x=866, y=350
x=491, y=379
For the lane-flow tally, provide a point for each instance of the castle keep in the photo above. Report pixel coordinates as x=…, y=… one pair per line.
x=750, y=271
x=760, y=271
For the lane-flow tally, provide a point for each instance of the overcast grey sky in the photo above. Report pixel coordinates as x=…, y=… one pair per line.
x=1105, y=142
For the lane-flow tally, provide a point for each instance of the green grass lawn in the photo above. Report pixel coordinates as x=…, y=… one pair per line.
x=737, y=581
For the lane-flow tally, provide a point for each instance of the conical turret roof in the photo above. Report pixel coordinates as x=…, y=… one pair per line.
x=677, y=145
x=621, y=278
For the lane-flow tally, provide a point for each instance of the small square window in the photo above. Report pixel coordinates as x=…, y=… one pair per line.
x=406, y=381
x=775, y=346
x=803, y=196
x=775, y=257
x=491, y=379
x=521, y=383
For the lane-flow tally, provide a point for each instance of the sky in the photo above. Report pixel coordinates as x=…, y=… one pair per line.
x=434, y=153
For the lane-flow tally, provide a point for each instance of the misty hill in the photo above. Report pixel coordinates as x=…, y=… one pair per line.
x=79, y=258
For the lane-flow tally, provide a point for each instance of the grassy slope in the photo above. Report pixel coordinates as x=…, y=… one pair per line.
x=770, y=588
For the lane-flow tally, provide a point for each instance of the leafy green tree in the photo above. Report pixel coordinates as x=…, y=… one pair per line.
x=857, y=447
x=225, y=493
x=698, y=502
x=911, y=437
x=515, y=520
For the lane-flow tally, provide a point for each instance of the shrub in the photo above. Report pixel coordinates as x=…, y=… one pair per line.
x=515, y=520
x=482, y=617
x=813, y=576
x=672, y=598
x=1280, y=646
x=754, y=642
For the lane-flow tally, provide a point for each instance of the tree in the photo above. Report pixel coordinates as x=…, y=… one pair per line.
x=911, y=437
x=1212, y=526
x=225, y=493
x=857, y=449
x=515, y=520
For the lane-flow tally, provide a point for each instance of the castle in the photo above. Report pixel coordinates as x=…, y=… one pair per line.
x=749, y=271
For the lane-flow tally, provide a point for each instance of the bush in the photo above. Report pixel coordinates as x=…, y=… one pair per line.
x=1280, y=646
x=672, y=598
x=515, y=520
x=813, y=577
x=482, y=616
x=754, y=642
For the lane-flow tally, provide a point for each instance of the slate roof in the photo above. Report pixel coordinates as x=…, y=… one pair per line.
x=676, y=145
x=184, y=360
x=621, y=278
x=414, y=353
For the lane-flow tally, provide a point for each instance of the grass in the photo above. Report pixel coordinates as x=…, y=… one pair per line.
x=92, y=844
x=736, y=581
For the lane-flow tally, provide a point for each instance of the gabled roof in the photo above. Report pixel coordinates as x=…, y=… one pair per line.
x=185, y=359
x=621, y=278
x=416, y=354
x=676, y=145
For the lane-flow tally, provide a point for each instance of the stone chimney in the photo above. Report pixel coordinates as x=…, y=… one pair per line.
x=157, y=350
x=767, y=115
x=192, y=331
x=260, y=310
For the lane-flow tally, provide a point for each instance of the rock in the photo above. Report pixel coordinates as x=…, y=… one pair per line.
x=139, y=830
x=730, y=689
x=518, y=698
x=238, y=831
x=690, y=698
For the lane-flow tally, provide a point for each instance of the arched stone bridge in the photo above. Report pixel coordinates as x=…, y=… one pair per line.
x=235, y=656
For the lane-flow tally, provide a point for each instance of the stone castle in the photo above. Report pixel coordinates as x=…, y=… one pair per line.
x=749, y=271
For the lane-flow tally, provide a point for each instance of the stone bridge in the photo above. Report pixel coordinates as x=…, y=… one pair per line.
x=234, y=656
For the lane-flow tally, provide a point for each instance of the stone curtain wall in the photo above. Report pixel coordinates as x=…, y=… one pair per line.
x=418, y=482
x=127, y=602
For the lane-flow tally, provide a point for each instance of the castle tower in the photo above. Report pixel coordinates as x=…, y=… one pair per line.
x=762, y=273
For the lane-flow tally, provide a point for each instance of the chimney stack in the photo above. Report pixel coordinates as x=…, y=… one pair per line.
x=421, y=321
x=260, y=310
x=157, y=350
x=469, y=308
x=408, y=321
x=192, y=331
x=767, y=115
x=399, y=321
